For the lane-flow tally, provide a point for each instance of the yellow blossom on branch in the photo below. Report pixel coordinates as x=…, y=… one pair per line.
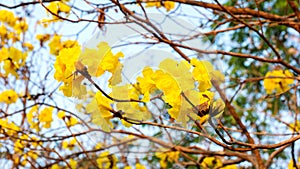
x=167, y=156
x=139, y=166
x=58, y=7
x=7, y=17
x=107, y=161
x=73, y=163
x=32, y=118
x=45, y=117
x=169, y=5
x=100, y=60
x=21, y=26
x=56, y=44
x=295, y=126
x=69, y=144
x=8, y=96
x=69, y=120
x=42, y=38
x=211, y=162
x=291, y=164
x=201, y=74
x=99, y=108
x=278, y=80
x=8, y=128
x=13, y=59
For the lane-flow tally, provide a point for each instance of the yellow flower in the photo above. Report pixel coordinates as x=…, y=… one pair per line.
x=10, y=68
x=17, y=56
x=35, y=142
x=65, y=63
x=32, y=118
x=21, y=25
x=279, y=80
x=20, y=144
x=45, y=117
x=153, y=4
x=8, y=128
x=132, y=110
x=180, y=71
x=139, y=166
x=65, y=67
x=61, y=114
x=233, y=166
x=42, y=37
x=57, y=7
x=146, y=83
x=56, y=44
x=291, y=164
x=32, y=155
x=70, y=121
x=201, y=74
x=211, y=162
x=169, y=5
x=7, y=17
x=69, y=145
x=3, y=31
x=8, y=96
x=45, y=22
x=69, y=44
x=73, y=164
x=206, y=97
x=167, y=156
x=295, y=126
x=55, y=166
x=4, y=54
x=13, y=59
x=99, y=108
x=28, y=45
x=107, y=161
x=100, y=60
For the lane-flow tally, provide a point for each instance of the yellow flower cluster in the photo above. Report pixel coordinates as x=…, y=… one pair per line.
x=8, y=96
x=32, y=118
x=69, y=120
x=99, y=108
x=96, y=62
x=8, y=128
x=295, y=126
x=12, y=30
x=58, y=7
x=56, y=44
x=107, y=161
x=132, y=110
x=11, y=27
x=214, y=163
x=7, y=17
x=22, y=150
x=12, y=59
x=174, y=78
x=167, y=156
x=137, y=166
x=168, y=5
x=159, y=79
x=291, y=164
x=42, y=38
x=65, y=67
x=69, y=144
x=45, y=117
x=35, y=118
x=102, y=59
x=278, y=80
